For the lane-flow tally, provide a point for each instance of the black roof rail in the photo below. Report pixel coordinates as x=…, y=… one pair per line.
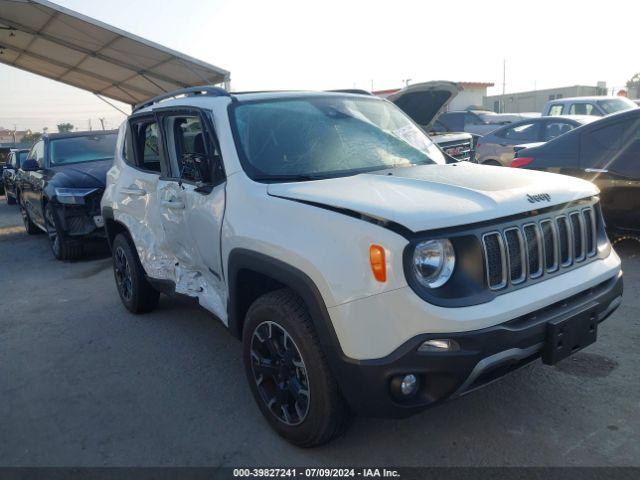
x=357, y=91
x=206, y=90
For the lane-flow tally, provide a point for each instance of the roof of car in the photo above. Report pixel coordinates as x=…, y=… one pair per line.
x=52, y=136
x=592, y=98
x=274, y=95
x=577, y=118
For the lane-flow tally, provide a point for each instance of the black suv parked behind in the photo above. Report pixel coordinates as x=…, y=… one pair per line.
x=607, y=152
x=61, y=185
x=10, y=173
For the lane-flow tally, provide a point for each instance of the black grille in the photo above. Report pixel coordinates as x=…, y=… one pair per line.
x=516, y=254
x=534, y=249
x=550, y=243
x=590, y=227
x=565, y=243
x=528, y=251
x=494, y=253
x=578, y=233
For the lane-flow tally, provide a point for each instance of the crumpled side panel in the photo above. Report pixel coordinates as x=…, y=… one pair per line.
x=159, y=263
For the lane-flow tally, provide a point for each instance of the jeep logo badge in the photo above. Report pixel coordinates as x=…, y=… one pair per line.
x=540, y=197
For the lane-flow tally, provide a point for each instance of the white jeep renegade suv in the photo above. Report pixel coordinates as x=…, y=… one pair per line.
x=362, y=271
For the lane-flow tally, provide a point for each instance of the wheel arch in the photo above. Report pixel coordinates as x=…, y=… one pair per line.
x=113, y=227
x=251, y=274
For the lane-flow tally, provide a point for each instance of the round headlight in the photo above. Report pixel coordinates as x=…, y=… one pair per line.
x=433, y=262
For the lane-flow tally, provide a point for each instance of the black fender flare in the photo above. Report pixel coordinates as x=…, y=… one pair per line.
x=291, y=277
x=108, y=217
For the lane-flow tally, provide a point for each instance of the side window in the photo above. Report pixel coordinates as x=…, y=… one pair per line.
x=555, y=129
x=525, y=132
x=555, y=110
x=142, y=145
x=192, y=154
x=472, y=119
x=37, y=153
x=583, y=109
x=599, y=146
x=626, y=163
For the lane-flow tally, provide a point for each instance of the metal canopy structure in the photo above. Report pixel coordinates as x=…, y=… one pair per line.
x=44, y=38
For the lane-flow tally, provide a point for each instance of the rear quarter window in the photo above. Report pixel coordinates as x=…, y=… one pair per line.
x=555, y=109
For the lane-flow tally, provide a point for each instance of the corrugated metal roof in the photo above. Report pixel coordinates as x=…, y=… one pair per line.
x=44, y=38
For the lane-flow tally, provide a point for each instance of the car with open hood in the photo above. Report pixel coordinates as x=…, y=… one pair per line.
x=60, y=187
x=363, y=270
x=424, y=102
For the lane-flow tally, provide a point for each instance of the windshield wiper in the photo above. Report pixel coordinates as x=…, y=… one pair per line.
x=289, y=178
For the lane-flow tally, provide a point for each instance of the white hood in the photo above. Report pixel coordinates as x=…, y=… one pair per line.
x=429, y=197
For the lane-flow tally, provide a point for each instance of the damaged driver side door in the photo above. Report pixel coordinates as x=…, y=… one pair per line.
x=191, y=201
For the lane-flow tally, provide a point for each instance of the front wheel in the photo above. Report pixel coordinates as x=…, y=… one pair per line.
x=134, y=289
x=288, y=372
x=10, y=200
x=29, y=226
x=62, y=248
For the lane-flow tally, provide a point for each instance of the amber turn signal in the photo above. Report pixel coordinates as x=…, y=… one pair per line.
x=378, y=263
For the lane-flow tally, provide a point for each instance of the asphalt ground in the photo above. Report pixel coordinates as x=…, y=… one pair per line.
x=85, y=383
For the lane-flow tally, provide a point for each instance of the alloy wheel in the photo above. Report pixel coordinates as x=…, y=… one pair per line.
x=54, y=238
x=23, y=212
x=280, y=373
x=123, y=274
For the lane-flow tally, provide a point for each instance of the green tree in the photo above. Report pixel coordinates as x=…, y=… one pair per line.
x=65, y=127
x=633, y=86
x=31, y=138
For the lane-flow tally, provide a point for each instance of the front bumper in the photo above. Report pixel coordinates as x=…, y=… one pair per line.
x=484, y=356
x=79, y=221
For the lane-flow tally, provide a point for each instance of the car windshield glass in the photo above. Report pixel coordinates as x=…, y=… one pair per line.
x=616, y=105
x=87, y=148
x=316, y=137
x=22, y=156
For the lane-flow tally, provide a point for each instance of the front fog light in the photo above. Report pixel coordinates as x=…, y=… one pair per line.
x=405, y=386
x=439, y=345
x=433, y=262
x=409, y=385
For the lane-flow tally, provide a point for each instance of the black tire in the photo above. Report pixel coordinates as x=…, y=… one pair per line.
x=135, y=291
x=301, y=366
x=62, y=248
x=10, y=200
x=29, y=226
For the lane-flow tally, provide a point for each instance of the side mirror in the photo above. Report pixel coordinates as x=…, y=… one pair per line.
x=30, y=165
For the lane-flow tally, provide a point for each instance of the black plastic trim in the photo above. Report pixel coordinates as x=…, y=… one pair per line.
x=447, y=375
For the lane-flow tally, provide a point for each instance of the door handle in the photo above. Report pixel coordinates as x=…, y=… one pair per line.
x=175, y=204
x=136, y=192
x=596, y=170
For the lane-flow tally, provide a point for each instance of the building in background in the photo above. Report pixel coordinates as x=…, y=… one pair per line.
x=471, y=96
x=12, y=137
x=534, y=100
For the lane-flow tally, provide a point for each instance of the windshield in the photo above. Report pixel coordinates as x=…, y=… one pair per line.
x=616, y=105
x=316, y=137
x=88, y=148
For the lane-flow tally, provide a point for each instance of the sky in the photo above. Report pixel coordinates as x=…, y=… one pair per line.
x=312, y=44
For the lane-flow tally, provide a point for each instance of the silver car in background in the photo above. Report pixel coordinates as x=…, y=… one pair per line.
x=498, y=147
